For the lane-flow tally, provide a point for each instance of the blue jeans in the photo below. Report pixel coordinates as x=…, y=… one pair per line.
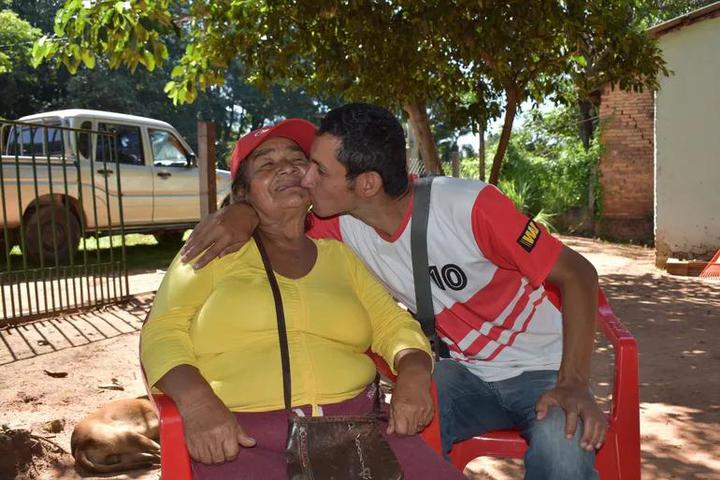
x=470, y=406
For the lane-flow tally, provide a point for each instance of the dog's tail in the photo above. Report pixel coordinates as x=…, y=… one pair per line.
x=82, y=460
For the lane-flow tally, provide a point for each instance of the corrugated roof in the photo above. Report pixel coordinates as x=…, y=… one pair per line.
x=708, y=11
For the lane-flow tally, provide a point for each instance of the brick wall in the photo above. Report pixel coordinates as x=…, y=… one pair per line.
x=626, y=166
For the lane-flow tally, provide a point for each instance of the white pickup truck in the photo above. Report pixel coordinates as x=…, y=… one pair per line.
x=67, y=165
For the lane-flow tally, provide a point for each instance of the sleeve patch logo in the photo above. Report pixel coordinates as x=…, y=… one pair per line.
x=530, y=236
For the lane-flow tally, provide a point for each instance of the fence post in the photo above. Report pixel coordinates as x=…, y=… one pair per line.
x=206, y=167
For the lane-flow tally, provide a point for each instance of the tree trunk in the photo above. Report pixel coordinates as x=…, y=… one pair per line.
x=455, y=159
x=420, y=123
x=591, y=198
x=413, y=155
x=587, y=127
x=587, y=124
x=227, y=131
x=481, y=149
x=241, y=121
x=510, y=112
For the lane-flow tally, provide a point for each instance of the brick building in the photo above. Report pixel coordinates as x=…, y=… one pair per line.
x=626, y=166
x=660, y=167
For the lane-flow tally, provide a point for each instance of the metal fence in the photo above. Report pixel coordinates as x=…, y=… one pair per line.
x=62, y=241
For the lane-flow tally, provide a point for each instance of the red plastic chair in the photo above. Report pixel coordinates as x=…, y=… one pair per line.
x=174, y=457
x=618, y=459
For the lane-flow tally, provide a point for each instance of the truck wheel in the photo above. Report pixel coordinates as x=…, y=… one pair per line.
x=47, y=217
x=174, y=239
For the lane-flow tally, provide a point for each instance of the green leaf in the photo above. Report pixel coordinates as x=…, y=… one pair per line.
x=121, y=7
x=580, y=60
x=88, y=58
x=5, y=63
x=170, y=87
x=177, y=71
x=149, y=60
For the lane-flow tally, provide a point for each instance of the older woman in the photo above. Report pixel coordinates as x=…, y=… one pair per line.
x=211, y=340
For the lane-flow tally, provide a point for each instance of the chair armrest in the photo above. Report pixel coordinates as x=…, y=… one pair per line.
x=613, y=328
x=381, y=365
x=174, y=457
x=626, y=395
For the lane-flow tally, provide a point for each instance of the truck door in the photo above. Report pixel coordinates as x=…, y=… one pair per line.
x=176, y=184
x=135, y=173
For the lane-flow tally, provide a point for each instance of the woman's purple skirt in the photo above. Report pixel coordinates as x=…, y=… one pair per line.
x=266, y=460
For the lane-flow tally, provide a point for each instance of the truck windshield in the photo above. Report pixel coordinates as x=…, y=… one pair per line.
x=167, y=150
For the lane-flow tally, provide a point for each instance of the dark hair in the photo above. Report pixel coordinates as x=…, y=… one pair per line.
x=372, y=140
x=240, y=182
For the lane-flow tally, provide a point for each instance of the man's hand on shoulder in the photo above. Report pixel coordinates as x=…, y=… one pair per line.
x=578, y=402
x=220, y=233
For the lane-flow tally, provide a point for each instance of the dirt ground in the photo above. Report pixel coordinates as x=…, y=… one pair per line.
x=62, y=369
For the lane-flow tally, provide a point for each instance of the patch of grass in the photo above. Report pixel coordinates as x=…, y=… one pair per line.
x=142, y=252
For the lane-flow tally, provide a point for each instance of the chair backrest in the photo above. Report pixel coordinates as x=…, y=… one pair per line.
x=619, y=457
x=626, y=395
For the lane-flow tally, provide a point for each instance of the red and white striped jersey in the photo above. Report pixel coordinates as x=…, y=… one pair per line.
x=487, y=262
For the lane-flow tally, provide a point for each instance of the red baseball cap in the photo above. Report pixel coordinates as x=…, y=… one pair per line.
x=298, y=130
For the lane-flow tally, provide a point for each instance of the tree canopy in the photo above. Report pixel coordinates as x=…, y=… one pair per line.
x=16, y=42
x=235, y=107
x=16, y=39
x=473, y=60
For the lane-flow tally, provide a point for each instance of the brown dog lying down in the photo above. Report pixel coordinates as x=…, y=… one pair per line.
x=121, y=435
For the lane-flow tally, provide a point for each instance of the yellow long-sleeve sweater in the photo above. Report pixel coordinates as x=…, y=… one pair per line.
x=221, y=319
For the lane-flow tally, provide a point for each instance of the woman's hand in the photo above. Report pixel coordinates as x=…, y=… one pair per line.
x=212, y=434
x=411, y=406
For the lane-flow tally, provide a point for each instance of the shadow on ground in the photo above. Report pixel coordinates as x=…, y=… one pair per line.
x=676, y=321
x=73, y=330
